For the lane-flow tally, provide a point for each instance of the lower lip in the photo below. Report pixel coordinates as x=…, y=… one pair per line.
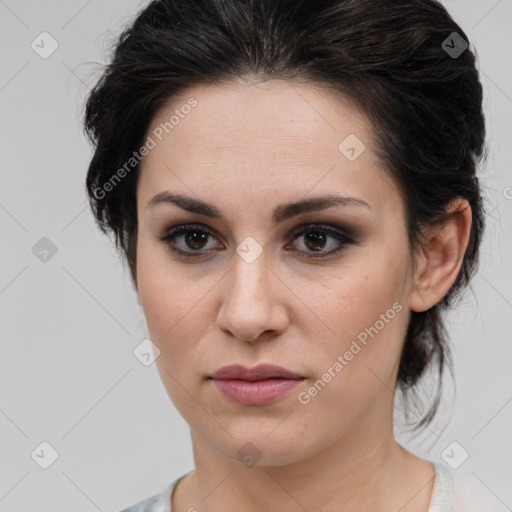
x=257, y=392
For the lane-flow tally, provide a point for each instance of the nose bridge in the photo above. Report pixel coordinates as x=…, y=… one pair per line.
x=249, y=281
x=249, y=307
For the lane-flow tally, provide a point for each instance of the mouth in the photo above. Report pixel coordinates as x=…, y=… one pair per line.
x=256, y=392
x=262, y=385
x=258, y=373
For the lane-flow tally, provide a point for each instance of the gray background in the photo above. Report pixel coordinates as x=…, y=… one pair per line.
x=68, y=375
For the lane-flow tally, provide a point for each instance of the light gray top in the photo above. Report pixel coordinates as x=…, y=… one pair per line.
x=443, y=492
x=441, y=501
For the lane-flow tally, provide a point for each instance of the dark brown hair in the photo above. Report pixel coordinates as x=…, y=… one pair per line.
x=394, y=59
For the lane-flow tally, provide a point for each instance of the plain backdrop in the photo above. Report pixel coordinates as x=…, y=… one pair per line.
x=70, y=319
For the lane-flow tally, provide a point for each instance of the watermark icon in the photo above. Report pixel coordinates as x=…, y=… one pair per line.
x=158, y=133
x=44, y=250
x=44, y=455
x=454, y=455
x=249, y=249
x=248, y=455
x=507, y=193
x=304, y=397
x=454, y=45
x=351, y=147
x=44, y=45
x=146, y=352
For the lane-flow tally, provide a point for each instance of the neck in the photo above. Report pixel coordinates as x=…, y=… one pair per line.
x=365, y=468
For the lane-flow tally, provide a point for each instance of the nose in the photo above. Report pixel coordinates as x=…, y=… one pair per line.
x=253, y=301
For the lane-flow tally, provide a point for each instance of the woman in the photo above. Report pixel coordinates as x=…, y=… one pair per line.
x=293, y=185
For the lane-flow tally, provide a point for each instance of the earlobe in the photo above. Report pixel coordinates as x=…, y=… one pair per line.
x=443, y=252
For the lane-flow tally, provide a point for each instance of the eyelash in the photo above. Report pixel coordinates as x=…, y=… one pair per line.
x=343, y=238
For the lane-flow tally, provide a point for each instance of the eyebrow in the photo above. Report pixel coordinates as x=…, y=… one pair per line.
x=281, y=213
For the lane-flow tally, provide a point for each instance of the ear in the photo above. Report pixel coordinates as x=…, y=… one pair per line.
x=441, y=258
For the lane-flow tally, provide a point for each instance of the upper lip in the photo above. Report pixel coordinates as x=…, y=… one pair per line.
x=260, y=372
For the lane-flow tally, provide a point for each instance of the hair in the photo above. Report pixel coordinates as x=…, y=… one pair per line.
x=385, y=56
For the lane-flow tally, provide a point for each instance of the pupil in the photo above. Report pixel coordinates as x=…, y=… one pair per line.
x=196, y=239
x=316, y=237
x=315, y=240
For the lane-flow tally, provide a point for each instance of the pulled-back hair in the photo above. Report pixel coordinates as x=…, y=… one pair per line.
x=390, y=58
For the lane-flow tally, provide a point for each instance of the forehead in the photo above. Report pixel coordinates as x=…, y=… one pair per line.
x=275, y=135
x=276, y=111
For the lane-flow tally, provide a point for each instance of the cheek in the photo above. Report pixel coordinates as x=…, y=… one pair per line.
x=355, y=299
x=175, y=315
x=366, y=309
x=162, y=295
x=177, y=309
x=356, y=368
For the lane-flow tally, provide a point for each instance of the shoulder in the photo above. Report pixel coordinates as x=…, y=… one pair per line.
x=459, y=491
x=470, y=496
x=159, y=502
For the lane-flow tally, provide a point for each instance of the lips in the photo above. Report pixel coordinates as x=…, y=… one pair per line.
x=260, y=372
x=258, y=386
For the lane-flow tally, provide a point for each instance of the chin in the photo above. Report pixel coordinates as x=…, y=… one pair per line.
x=258, y=447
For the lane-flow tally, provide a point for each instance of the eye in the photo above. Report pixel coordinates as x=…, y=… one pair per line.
x=314, y=238
x=192, y=236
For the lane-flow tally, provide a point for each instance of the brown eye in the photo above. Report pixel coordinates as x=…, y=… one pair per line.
x=196, y=239
x=315, y=240
x=317, y=237
x=191, y=240
x=187, y=239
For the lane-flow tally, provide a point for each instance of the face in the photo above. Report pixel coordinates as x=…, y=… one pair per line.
x=321, y=290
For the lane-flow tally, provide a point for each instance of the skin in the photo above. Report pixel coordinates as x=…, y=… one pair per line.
x=247, y=148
